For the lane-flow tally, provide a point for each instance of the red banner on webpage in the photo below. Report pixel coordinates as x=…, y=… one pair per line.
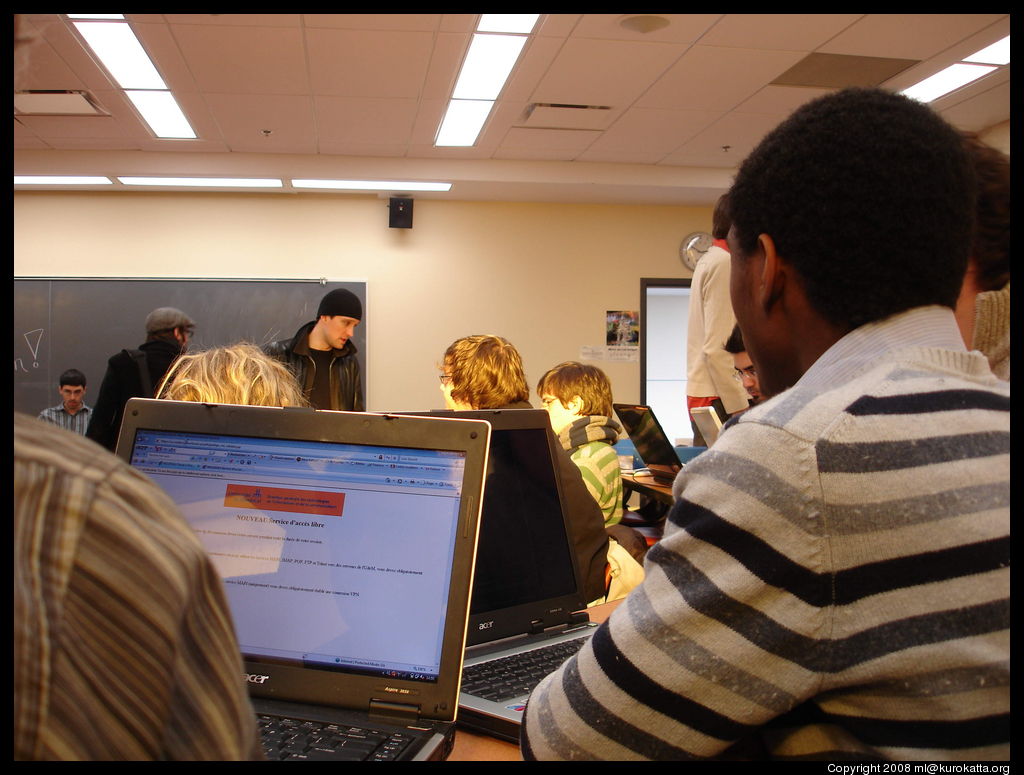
x=280, y=499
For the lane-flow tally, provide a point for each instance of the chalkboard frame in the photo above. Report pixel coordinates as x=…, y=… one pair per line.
x=79, y=322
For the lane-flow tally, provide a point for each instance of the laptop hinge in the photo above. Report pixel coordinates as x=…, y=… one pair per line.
x=578, y=618
x=394, y=710
x=575, y=619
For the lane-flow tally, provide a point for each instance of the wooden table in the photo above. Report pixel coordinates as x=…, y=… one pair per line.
x=645, y=484
x=476, y=747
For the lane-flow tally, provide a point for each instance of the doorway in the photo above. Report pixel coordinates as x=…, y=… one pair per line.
x=664, y=317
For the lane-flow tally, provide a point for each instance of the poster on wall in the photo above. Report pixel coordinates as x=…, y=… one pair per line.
x=622, y=338
x=622, y=329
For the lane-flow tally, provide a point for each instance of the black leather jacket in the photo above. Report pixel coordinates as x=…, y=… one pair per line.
x=346, y=385
x=123, y=381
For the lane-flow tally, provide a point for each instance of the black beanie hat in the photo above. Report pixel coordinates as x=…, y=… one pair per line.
x=341, y=302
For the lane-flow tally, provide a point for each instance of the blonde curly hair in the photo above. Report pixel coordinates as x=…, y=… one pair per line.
x=235, y=374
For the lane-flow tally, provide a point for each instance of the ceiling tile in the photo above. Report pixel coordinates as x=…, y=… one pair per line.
x=979, y=111
x=777, y=31
x=780, y=100
x=726, y=142
x=416, y=22
x=907, y=36
x=681, y=27
x=245, y=120
x=712, y=78
x=368, y=63
x=364, y=120
x=653, y=131
x=604, y=72
x=234, y=19
x=244, y=60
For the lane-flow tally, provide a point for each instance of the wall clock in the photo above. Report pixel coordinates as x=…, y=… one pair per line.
x=693, y=247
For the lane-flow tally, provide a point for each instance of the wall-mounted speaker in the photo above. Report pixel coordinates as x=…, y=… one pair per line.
x=400, y=215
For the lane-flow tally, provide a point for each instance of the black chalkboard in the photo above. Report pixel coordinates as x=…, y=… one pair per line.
x=64, y=323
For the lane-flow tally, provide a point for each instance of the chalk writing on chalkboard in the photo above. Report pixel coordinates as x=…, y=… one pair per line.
x=33, y=338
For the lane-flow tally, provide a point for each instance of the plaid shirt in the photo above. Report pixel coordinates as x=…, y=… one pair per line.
x=76, y=423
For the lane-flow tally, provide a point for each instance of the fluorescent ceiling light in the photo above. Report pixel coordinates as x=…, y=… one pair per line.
x=122, y=54
x=996, y=54
x=507, y=22
x=487, y=66
x=95, y=16
x=945, y=81
x=160, y=110
x=60, y=180
x=462, y=122
x=204, y=182
x=372, y=185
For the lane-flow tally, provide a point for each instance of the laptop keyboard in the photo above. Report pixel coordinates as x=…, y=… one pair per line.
x=299, y=739
x=517, y=674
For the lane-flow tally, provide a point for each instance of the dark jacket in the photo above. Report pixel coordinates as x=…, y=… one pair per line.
x=123, y=381
x=346, y=386
x=586, y=521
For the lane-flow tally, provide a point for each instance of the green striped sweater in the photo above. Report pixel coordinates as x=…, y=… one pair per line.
x=589, y=443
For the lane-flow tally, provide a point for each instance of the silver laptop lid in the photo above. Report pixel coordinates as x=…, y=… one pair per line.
x=346, y=542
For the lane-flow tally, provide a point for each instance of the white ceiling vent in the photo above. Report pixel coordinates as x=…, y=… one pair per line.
x=550, y=115
x=39, y=102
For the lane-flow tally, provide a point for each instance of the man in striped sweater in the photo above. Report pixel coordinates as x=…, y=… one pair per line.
x=833, y=582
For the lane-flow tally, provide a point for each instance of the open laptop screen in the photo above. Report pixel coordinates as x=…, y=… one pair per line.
x=523, y=552
x=305, y=535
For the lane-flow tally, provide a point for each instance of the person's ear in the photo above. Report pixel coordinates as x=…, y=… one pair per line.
x=774, y=274
x=575, y=405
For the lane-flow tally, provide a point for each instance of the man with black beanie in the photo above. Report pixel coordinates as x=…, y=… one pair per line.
x=322, y=355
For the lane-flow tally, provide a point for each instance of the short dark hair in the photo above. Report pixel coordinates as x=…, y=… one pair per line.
x=72, y=377
x=721, y=219
x=734, y=344
x=869, y=196
x=990, y=250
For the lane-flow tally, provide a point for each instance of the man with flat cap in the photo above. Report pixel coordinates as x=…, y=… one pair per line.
x=322, y=354
x=135, y=373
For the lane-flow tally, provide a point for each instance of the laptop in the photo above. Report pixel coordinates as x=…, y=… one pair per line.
x=650, y=440
x=527, y=592
x=346, y=542
x=708, y=422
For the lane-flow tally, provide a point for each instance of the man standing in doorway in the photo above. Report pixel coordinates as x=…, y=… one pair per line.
x=709, y=368
x=322, y=354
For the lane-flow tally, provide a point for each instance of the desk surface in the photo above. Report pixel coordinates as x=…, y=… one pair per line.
x=647, y=485
x=473, y=747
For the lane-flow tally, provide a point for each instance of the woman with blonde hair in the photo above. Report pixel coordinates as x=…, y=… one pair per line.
x=235, y=374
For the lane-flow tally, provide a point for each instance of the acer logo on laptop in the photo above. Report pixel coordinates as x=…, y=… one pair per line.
x=486, y=625
x=255, y=679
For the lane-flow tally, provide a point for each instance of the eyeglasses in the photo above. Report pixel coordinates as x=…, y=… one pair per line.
x=446, y=379
x=749, y=372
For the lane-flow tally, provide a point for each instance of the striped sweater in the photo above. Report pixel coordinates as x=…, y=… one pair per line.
x=124, y=647
x=833, y=581
x=589, y=442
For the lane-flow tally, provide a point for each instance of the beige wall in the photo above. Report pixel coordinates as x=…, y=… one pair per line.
x=541, y=275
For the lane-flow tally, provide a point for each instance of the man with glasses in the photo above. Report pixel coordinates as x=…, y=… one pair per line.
x=744, y=371
x=137, y=373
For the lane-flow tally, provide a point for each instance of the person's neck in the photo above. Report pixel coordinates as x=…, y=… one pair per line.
x=317, y=340
x=966, y=306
